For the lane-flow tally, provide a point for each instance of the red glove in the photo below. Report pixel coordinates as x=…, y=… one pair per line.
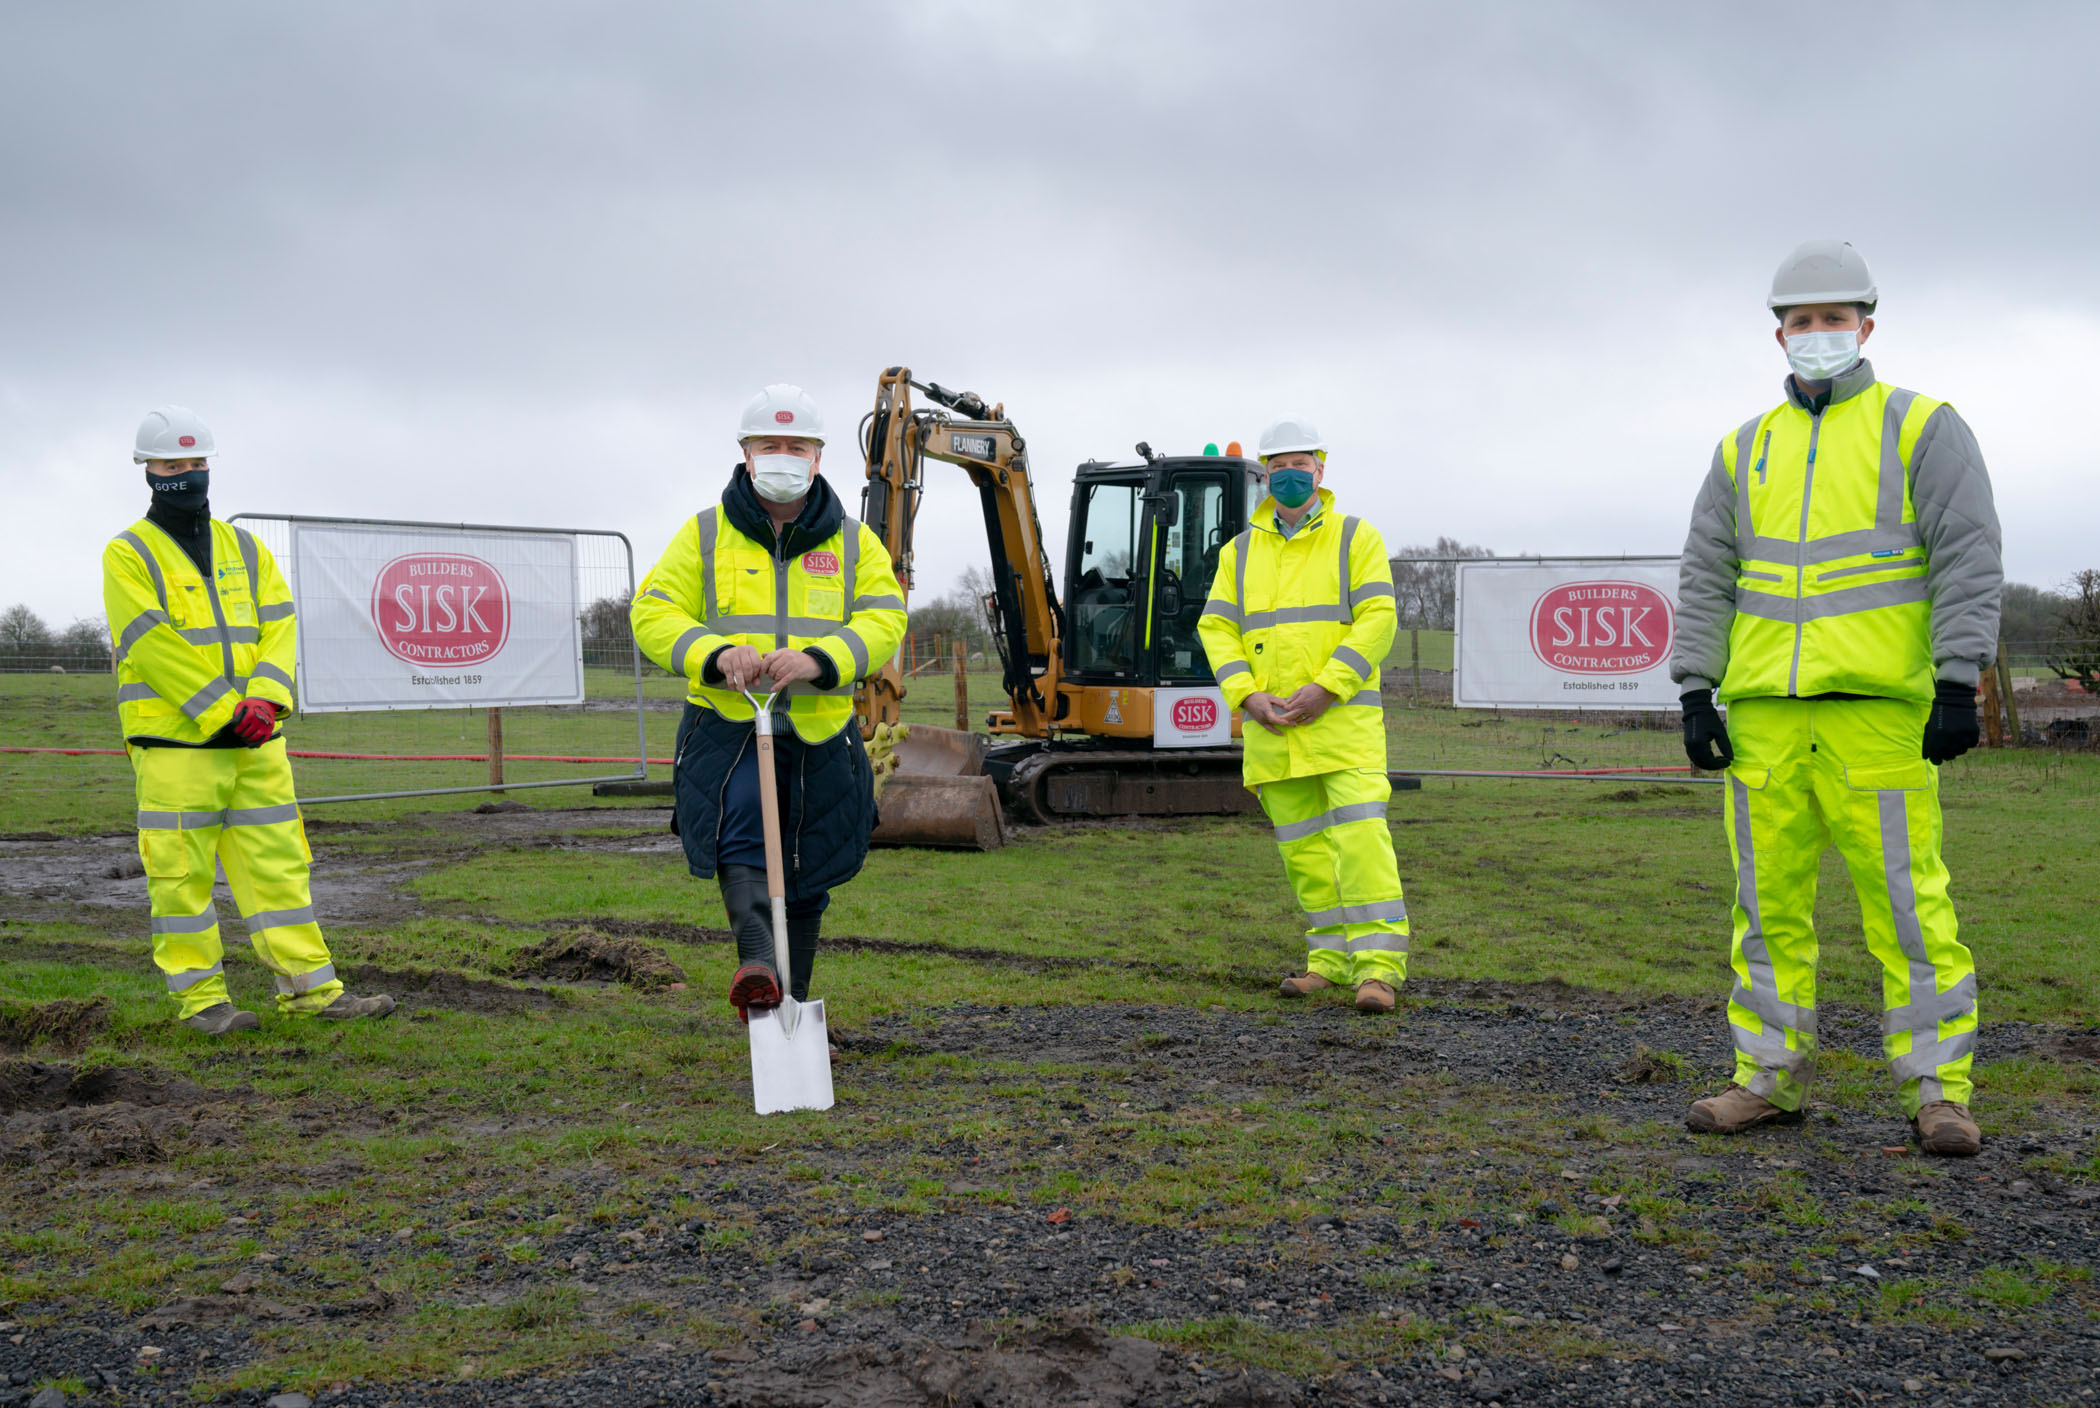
x=254, y=720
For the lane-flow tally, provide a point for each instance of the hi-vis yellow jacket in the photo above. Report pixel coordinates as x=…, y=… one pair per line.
x=1316, y=607
x=188, y=648
x=1851, y=550
x=716, y=586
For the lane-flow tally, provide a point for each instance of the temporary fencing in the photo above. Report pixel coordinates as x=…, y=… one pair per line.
x=415, y=724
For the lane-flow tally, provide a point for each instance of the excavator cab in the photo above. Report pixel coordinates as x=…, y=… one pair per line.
x=1144, y=545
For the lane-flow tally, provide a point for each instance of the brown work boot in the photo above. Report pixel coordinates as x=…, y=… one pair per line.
x=1305, y=985
x=1733, y=1111
x=348, y=1008
x=221, y=1018
x=1945, y=1127
x=1374, y=996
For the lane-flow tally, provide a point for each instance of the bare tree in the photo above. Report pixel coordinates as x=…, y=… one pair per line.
x=2075, y=654
x=608, y=638
x=1426, y=593
x=25, y=640
x=83, y=647
x=975, y=587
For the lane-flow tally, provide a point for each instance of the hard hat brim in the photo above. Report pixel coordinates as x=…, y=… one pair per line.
x=1866, y=295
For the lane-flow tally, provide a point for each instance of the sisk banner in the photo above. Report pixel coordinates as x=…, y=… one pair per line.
x=1572, y=634
x=427, y=618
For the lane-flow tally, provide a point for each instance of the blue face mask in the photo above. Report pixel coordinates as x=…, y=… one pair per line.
x=1291, y=487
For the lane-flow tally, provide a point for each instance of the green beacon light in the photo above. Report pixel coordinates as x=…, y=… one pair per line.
x=1211, y=448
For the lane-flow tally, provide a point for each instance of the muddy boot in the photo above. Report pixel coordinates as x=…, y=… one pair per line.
x=1374, y=996
x=1305, y=985
x=750, y=910
x=1944, y=1127
x=348, y=1008
x=1733, y=1111
x=802, y=952
x=221, y=1018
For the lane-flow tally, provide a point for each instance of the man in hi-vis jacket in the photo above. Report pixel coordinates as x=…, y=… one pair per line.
x=201, y=621
x=1840, y=593
x=1299, y=619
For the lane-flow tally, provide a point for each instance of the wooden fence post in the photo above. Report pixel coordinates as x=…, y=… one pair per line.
x=962, y=687
x=496, y=749
x=1414, y=651
x=1993, y=720
x=2012, y=709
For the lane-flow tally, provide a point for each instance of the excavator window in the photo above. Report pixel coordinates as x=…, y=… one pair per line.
x=1106, y=611
x=1188, y=561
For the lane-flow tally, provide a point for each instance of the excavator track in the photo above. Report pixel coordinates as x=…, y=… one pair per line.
x=1045, y=784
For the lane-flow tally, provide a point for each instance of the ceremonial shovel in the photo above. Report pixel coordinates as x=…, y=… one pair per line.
x=790, y=1048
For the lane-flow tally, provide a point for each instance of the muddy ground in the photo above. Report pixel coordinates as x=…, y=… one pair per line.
x=1510, y=1274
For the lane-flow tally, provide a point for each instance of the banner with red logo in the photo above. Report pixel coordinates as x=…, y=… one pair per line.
x=425, y=618
x=1572, y=634
x=1190, y=718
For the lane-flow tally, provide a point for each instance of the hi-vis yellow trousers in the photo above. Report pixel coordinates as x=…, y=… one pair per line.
x=1338, y=851
x=234, y=807
x=1807, y=773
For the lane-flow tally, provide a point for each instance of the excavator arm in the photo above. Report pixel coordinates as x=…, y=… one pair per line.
x=897, y=441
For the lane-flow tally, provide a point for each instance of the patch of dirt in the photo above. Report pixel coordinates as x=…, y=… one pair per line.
x=37, y=1085
x=2070, y=1046
x=67, y=1024
x=586, y=957
x=57, y=1115
x=220, y=1310
x=441, y=987
x=1058, y=1365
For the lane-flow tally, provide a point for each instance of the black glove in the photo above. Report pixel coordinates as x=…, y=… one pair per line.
x=1705, y=736
x=1951, y=728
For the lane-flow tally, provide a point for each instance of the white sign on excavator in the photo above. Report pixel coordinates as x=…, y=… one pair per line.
x=1190, y=718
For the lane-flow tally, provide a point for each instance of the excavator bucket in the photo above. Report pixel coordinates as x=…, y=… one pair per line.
x=939, y=794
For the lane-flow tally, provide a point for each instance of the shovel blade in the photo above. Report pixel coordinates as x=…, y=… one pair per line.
x=790, y=1058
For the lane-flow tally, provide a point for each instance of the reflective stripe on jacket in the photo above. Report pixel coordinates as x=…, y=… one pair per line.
x=716, y=586
x=1852, y=550
x=188, y=648
x=1313, y=608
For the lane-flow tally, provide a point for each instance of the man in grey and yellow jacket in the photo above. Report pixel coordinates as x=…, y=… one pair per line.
x=1839, y=593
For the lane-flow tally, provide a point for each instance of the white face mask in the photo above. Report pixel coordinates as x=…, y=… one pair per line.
x=1819, y=356
x=782, y=479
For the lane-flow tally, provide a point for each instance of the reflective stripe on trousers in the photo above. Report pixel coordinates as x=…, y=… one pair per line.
x=1862, y=786
x=1337, y=850
x=201, y=808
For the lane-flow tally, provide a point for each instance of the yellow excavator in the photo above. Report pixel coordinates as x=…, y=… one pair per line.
x=1112, y=709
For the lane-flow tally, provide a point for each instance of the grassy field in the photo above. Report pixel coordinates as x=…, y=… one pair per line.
x=1067, y=1087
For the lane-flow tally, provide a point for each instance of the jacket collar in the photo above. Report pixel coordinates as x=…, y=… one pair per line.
x=1843, y=387
x=1264, y=515
x=821, y=517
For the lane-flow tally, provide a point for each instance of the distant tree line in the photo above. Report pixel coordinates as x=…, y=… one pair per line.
x=1426, y=593
x=27, y=643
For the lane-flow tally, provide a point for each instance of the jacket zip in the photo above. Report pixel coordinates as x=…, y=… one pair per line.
x=1808, y=489
x=722, y=797
x=802, y=817
x=1763, y=451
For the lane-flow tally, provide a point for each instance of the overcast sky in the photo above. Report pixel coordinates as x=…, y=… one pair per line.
x=522, y=262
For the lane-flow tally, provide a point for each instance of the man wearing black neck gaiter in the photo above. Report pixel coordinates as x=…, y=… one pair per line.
x=203, y=628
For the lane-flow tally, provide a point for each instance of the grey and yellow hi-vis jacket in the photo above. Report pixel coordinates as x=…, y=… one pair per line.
x=1851, y=550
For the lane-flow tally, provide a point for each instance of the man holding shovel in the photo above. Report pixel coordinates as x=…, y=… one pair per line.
x=1300, y=615
x=774, y=591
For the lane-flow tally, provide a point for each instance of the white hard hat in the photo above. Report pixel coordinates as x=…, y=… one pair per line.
x=171, y=433
x=1290, y=431
x=781, y=410
x=1823, y=271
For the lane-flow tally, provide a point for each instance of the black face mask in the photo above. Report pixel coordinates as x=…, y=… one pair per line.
x=185, y=492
